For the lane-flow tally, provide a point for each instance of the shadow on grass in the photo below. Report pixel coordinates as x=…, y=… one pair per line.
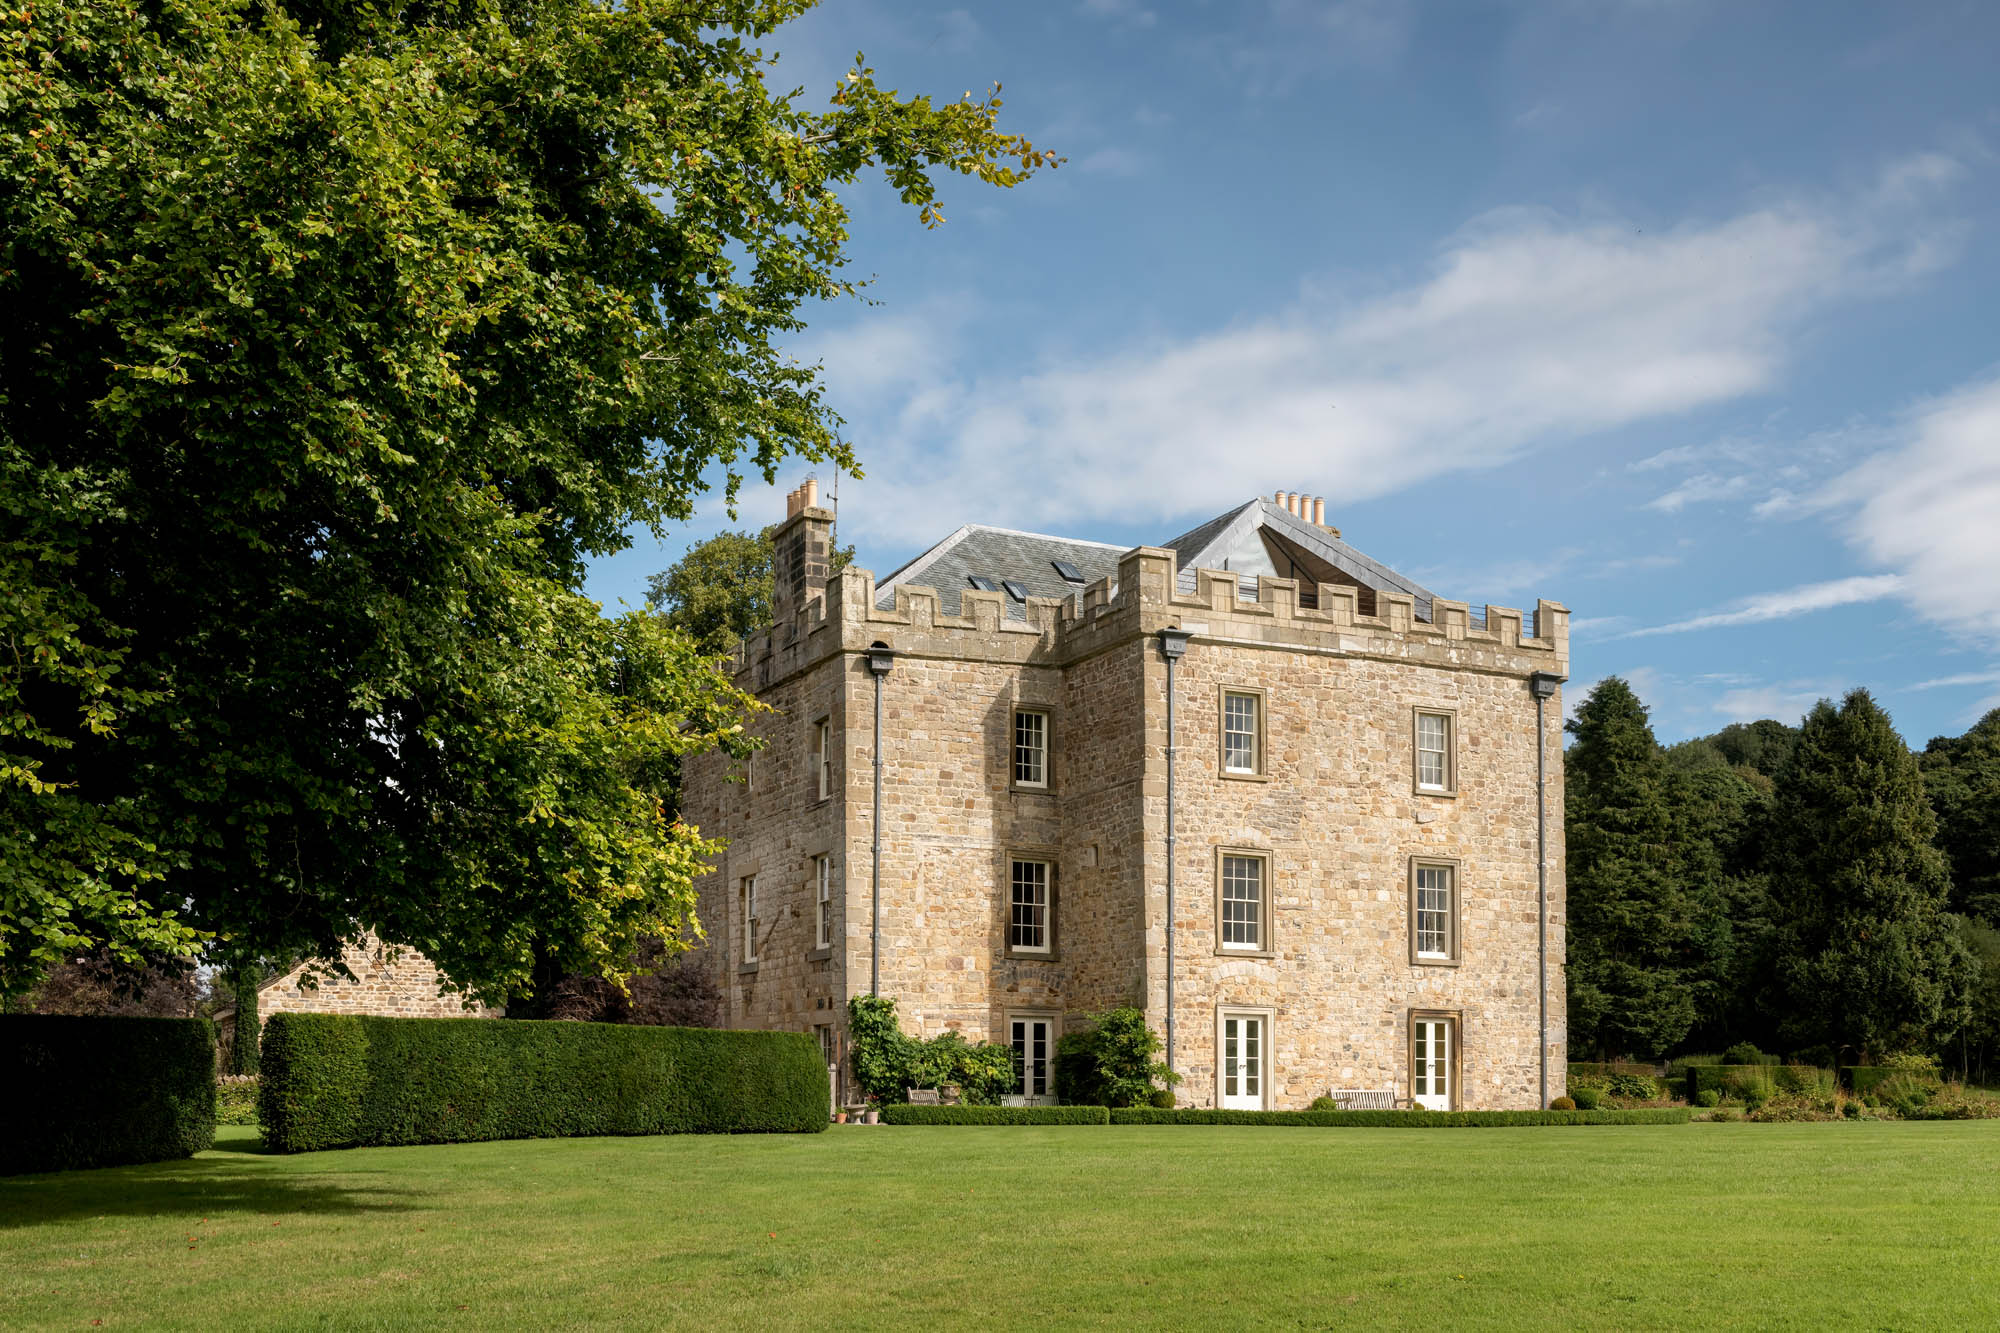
x=203, y=1186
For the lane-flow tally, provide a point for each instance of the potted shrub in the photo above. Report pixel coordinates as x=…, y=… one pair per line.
x=873, y=1115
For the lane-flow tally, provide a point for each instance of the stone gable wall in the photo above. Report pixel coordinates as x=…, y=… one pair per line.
x=387, y=983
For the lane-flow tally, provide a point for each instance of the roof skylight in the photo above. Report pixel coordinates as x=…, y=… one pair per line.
x=981, y=582
x=1017, y=591
x=1068, y=571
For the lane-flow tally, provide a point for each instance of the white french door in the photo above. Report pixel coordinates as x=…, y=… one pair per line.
x=1430, y=1064
x=1243, y=1038
x=1033, y=1040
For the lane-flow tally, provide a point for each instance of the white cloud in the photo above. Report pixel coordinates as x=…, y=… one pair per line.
x=1786, y=703
x=1531, y=328
x=1703, y=487
x=1121, y=11
x=1931, y=508
x=1787, y=603
x=1958, y=680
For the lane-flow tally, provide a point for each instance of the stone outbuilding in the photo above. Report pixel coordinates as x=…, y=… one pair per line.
x=1302, y=812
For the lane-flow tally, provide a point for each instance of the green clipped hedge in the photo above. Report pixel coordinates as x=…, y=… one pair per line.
x=103, y=1091
x=1145, y=1115
x=1865, y=1079
x=1757, y=1081
x=1586, y=1070
x=995, y=1115
x=343, y=1081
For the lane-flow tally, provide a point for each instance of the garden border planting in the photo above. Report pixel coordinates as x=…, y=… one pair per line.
x=85, y=1092
x=1145, y=1115
x=995, y=1115
x=345, y=1081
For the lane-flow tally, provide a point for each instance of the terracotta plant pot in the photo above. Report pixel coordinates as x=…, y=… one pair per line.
x=840, y=1117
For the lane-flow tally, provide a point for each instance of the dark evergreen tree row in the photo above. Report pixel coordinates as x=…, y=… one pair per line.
x=1816, y=887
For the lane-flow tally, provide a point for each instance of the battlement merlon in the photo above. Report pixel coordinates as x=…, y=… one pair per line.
x=841, y=617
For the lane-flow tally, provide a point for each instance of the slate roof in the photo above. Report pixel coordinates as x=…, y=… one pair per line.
x=1200, y=549
x=997, y=554
x=1025, y=557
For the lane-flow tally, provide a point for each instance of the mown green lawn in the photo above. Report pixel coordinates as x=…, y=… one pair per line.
x=1707, y=1225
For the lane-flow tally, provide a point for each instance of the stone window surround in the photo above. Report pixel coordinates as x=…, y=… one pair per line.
x=1053, y=1017
x=1267, y=918
x=1266, y=1044
x=822, y=951
x=821, y=782
x=1048, y=857
x=1263, y=696
x=1455, y=1017
x=1450, y=714
x=1457, y=868
x=748, y=959
x=1047, y=786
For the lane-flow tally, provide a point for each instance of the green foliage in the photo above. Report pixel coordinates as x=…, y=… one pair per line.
x=1746, y=1053
x=1667, y=1115
x=1866, y=954
x=1658, y=908
x=722, y=589
x=1163, y=1099
x=1111, y=1063
x=236, y=1101
x=1586, y=1097
x=1806, y=1081
x=1633, y=1087
x=341, y=1081
x=85, y=1092
x=1862, y=1080
x=1743, y=1083
x=1962, y=780
x=1952, y=1101
x=247, y=1029
x=1912, y=1061
x=887, y=1063
x=1975, y=1034
x=340, y=337
x=1323, y=1104
x=1601, y=1071
x=1555, y=1104
x=1905, y=1091
x=995, y=1115
x=1708, y=1097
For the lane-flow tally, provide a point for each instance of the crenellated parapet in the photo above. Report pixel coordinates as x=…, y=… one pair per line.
x=1142, y=598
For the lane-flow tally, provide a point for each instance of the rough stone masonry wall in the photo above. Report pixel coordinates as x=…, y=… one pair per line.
x=776, y=823
x=1340, y=820
x=387, y=983
x=952, y=823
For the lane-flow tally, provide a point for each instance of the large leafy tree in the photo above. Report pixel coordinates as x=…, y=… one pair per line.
x=722, y=588
x=338, y=337
x=1867, y=954
x=1962, y=778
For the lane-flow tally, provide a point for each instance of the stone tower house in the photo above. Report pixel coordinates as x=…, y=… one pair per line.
x=1353, y=851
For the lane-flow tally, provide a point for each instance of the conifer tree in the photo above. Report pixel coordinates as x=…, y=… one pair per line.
x=1632, y=927
x=1962, y=778
x=1867, y=956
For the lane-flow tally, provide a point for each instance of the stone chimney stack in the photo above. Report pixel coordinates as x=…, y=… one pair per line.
x=801, y=548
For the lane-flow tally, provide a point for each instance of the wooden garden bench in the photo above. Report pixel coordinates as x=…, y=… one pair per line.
x=1368, y=1099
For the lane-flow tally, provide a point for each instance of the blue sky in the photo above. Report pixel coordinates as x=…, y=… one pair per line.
x=1680, y=313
